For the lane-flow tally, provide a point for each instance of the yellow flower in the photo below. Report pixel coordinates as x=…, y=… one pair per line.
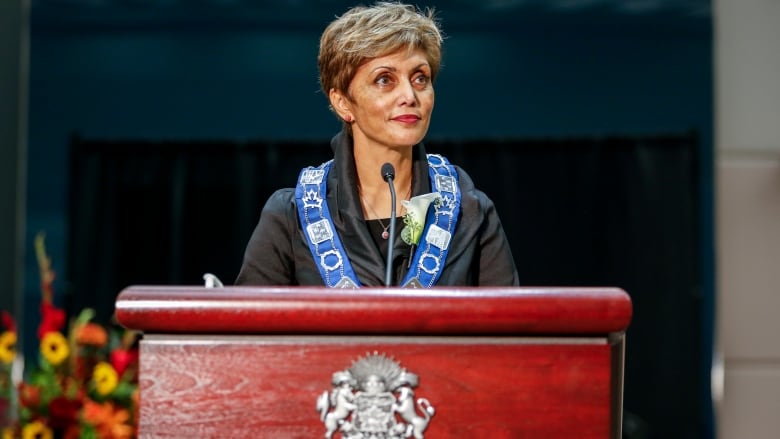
x=8, y=433
x=7, y=347
x=37, y=430
x=105, y=378
x=54, y=348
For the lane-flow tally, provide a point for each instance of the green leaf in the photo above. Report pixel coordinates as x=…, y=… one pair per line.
x=85, y=316
x=44, y=364
x=88, y=431
x=124, y=390
x=406, y=235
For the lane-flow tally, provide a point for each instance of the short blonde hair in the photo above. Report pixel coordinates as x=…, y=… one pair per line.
x=363, y=33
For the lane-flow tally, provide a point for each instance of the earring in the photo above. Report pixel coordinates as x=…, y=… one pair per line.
x=348, y=119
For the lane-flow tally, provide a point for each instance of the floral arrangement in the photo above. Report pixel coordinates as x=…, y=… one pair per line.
x=85, y=384
x=7, y=355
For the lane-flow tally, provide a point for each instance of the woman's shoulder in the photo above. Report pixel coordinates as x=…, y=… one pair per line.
x=281, y=200
x=464, y=179
x=471, y=195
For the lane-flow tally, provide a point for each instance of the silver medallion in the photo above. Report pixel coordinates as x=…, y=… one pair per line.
x=374, y=399
x=446, y=183
x=346, y=283
x=312, y=176
x=438, y=237
x=413, y=283
x=320, y=231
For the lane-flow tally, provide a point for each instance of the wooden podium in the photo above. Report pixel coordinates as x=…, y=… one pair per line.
x=266, y=362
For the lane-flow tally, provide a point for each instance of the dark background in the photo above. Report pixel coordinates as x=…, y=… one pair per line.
x=157, y=128
x=614, y=211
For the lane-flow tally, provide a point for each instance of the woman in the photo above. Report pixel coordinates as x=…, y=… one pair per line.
x=377, y=65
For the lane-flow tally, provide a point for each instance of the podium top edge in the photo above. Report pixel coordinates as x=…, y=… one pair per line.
x=317, y=310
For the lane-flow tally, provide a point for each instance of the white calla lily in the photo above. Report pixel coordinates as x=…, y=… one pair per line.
x=414, y=218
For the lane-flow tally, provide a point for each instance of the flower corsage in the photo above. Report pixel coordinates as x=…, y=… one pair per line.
x=414, y=218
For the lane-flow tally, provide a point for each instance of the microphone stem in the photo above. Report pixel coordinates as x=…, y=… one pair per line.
x=391, y=239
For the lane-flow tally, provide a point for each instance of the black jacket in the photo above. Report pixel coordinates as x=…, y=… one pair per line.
x=278, y=254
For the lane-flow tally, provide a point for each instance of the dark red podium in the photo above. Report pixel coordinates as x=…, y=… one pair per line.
x=291, y=362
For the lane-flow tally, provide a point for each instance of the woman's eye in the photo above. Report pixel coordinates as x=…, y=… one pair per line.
x=421, y=80
x=383, y=80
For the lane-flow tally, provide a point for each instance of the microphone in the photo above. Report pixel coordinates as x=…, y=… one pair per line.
x=388, y=174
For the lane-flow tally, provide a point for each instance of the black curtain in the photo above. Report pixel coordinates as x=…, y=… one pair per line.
x=614, y=211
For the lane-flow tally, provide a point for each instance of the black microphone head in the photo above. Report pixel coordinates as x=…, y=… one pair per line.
x=388, y=171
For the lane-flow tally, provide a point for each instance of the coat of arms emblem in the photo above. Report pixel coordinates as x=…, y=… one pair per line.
x=374, y=399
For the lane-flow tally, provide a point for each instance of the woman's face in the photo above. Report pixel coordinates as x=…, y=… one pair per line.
x=391, y=100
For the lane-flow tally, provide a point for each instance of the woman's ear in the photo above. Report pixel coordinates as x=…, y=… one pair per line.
x=340, y=105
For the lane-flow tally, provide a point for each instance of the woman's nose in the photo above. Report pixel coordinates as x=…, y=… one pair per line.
x=407, y=94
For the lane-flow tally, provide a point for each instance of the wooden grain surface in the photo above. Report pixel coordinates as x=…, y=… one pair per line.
x=306, y=310
x=266, y=387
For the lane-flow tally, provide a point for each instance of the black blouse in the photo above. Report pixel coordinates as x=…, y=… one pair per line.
x=278, y=254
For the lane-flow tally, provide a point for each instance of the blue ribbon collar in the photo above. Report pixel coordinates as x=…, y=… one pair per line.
x=328, y=251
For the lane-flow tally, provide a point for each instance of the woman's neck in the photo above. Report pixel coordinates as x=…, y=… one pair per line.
x=372, y=188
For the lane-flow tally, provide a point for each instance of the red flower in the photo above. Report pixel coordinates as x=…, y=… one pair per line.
x=121, y=359
x=8, y=321
x=52, y=319
x=64, y=412
x=29, y=396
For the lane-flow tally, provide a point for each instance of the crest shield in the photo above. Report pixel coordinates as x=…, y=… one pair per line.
x=374, y=399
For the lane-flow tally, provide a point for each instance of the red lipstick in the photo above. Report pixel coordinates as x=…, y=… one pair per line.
x=407, y=118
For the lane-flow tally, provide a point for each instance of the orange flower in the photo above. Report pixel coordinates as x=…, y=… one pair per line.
x=91, y=334
x=110, y=422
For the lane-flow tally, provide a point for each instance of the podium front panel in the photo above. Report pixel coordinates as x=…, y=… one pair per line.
x=268, y=386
